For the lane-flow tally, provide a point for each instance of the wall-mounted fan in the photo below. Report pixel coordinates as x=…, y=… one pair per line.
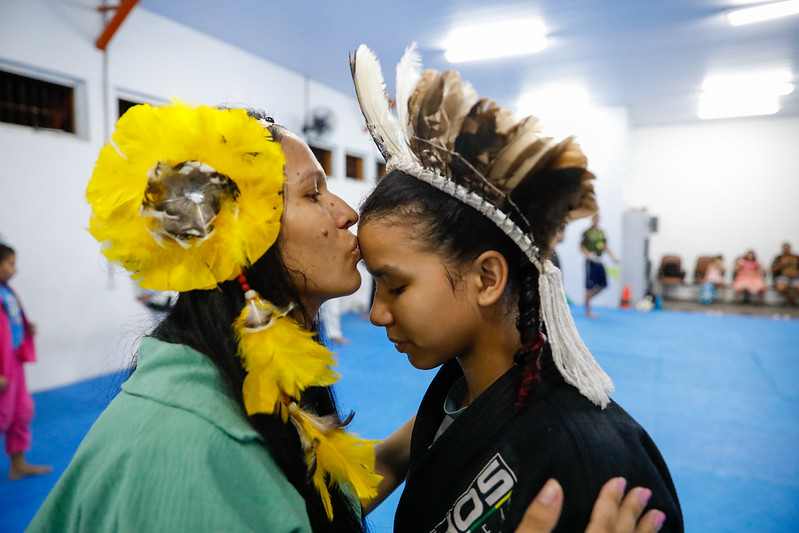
x=319, y=122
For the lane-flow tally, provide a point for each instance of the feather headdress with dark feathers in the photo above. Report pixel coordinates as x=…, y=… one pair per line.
x=538, y=181
x=525, y=182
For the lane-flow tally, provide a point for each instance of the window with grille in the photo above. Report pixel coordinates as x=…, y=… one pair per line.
x=123, y=105
x=323, y=156
x=36, y=103
x=354, y=167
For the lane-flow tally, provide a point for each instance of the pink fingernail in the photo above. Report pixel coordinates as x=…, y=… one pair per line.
x=621, y=484
x=644, y=497
x=658, y=520
x=548, y=493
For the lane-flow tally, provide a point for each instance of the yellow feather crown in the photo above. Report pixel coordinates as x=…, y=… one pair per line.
x=185, y=198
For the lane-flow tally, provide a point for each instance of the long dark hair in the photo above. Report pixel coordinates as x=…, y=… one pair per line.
x=203, y=320
x=459, y=234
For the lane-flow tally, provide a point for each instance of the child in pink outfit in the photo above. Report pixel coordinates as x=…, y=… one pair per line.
x=715, y=272
x=749, y=276
x=16, y=348
x=712, y=281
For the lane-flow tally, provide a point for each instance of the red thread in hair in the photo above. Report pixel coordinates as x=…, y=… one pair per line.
x=531, y=347
x=530, y=366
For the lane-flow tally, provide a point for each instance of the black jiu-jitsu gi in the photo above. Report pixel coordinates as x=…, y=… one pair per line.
x=483, y=471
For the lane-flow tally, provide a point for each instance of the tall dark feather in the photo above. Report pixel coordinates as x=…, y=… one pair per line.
x=540, y=181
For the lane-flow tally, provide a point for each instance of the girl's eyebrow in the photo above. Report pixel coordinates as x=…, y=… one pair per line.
x=383, y=271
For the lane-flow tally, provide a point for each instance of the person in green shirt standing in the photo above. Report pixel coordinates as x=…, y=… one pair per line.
x=593, y=245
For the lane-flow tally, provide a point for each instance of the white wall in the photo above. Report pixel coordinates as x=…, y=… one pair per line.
x=603, y=134
x=87, y=316
x=718, y=187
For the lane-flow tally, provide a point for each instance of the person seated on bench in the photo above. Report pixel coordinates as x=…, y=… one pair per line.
x=749, y=277
x=785, y=271
x=712, y=280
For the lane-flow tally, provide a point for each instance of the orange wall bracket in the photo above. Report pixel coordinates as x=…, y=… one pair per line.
x=113, y=25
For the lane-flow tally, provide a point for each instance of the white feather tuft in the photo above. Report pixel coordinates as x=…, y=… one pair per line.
x=375, y=103
x=409, y=72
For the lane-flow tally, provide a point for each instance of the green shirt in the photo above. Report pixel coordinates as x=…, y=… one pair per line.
x=594, y=241
x=173, y=452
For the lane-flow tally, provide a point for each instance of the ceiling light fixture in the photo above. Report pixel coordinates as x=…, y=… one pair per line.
x=711, y=107
x=767, y=81
x=497, y=39
x=744, y=94
x=749, y=15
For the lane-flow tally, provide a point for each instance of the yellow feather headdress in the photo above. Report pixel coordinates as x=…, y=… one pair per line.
x=476, y=151
x=185, y=198
x=188, y=197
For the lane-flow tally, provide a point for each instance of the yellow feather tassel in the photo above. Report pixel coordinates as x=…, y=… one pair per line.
x=338, y=458
x=280, y=357
x=282, y=360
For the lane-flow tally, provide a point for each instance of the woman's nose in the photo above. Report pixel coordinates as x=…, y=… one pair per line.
x=344, y=215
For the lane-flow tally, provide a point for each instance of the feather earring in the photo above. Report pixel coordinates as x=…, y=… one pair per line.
x=282, y=360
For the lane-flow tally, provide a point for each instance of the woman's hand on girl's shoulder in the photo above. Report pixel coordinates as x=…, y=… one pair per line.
x=613, y=511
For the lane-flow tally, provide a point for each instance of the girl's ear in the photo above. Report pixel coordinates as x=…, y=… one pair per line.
x=491, y=274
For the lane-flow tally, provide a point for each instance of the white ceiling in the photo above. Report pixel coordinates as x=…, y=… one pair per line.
x=647, y=55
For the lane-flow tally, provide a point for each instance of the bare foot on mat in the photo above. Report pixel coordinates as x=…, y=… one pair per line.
x=26, y=469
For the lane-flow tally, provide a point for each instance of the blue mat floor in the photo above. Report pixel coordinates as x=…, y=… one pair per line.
x=719, y=395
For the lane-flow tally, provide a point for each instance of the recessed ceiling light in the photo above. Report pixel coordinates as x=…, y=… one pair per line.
x=749, y=15
x=496, y=39
x=742, y=94
x=752, y=81
x=745, y=108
